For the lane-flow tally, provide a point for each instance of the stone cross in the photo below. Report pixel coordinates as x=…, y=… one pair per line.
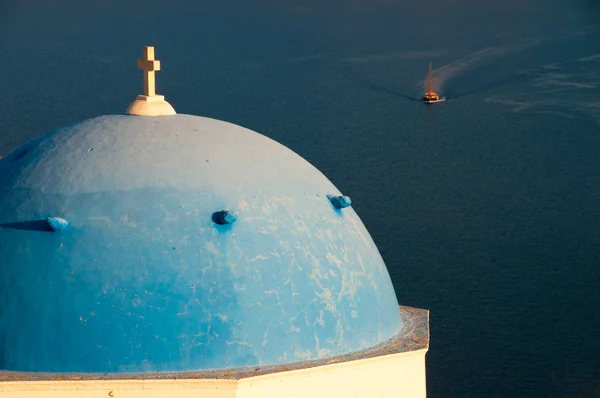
x=149, y=65
x=149, y=104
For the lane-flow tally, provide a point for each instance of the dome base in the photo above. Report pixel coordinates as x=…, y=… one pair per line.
x=150, y=106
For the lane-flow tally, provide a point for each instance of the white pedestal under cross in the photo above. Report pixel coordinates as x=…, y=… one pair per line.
x=149, y=104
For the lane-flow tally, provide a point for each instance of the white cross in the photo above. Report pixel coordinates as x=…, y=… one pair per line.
x=149, y=65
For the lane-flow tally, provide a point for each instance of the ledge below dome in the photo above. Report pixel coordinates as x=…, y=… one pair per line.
x=413, y=337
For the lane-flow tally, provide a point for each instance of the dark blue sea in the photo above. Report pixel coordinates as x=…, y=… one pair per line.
x=486, y=207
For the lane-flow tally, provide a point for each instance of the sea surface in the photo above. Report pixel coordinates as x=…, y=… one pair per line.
x=486, y=207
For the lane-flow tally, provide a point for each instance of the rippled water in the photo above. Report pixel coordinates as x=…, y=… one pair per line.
x=485, y=207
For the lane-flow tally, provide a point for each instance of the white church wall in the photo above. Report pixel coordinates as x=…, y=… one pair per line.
x=399, y=375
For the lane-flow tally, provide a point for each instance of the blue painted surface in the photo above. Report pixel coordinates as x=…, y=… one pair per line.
x=144, y=280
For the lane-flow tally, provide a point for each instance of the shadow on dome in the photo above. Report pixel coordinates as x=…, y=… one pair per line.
x=36, y=226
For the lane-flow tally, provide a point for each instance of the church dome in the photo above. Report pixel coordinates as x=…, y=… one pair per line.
x=179, y=243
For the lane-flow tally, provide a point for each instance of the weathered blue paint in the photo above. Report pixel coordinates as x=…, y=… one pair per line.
x=339, y=202
x=144, y=280
x=57, y=223
x=224, y=217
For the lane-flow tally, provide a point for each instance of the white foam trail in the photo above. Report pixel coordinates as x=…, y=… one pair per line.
x=394, y=56
x=448, y=71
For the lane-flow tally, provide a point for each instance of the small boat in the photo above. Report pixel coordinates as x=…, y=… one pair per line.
x=430, y=97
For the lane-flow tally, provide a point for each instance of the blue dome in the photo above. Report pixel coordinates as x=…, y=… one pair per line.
x=179, y=243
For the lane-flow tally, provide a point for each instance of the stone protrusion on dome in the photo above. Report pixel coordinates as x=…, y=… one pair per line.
x=224, y=217
x=149, y=104
x=57, y=223
x=340, y=202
